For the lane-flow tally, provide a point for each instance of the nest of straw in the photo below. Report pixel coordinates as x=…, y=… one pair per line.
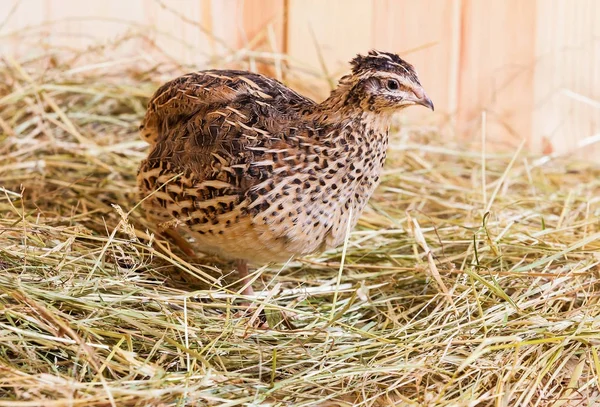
x=468, y=282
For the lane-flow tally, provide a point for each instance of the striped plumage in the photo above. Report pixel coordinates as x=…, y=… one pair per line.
x=255, y=172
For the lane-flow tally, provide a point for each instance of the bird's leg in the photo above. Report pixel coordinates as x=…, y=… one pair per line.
x=181, y=242
x=242, y=269
x=258, y=320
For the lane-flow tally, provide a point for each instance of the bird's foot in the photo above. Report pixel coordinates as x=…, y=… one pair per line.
x=181, y=242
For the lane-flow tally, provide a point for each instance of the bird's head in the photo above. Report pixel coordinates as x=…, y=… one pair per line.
x=383, y=82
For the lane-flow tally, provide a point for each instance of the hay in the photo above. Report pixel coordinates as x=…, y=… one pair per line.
x=458, y=288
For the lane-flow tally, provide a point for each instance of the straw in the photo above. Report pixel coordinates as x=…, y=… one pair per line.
x=450, y=292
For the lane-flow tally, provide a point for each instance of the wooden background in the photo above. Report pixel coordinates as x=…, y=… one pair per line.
x=532, y=65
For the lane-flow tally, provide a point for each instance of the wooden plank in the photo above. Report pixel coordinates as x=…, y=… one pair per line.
x=496, y=70
x=426, y=29
x=226, y=18
x=262, y=31
x=567, y=80
x=181, y=31
x=76, y=25
x=68, y=24
x=260, y=16
x=218, y=32
x=190, y=32
x=335, y=30
x=533, y=65
x=15, y=18
x=423, y=33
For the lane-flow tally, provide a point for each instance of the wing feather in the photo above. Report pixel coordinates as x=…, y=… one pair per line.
x=210, y=127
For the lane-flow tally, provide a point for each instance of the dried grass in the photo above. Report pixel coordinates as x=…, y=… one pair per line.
x=468, y=282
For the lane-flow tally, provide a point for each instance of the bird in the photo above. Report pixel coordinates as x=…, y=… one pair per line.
x=255, y=173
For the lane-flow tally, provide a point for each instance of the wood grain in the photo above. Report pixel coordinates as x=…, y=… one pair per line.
x=497, y=62
x=533, y=65
x=262, y=31
x=567, y=78
x=323, y=36
x=422, y=32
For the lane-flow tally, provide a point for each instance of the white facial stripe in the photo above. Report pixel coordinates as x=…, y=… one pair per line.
x=401, y=79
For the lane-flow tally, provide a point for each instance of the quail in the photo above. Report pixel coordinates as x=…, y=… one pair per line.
x=255, y=172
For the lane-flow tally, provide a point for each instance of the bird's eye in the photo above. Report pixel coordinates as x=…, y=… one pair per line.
x=393, y=84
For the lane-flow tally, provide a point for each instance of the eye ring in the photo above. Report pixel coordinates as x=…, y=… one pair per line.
x=392, y=84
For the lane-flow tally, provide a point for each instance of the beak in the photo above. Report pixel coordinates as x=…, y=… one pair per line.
x=421, y=98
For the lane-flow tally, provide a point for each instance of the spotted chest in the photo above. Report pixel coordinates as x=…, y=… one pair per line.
x=308, y=192
x=311, y=208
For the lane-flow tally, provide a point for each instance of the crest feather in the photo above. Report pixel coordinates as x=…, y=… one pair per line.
x=377, y=61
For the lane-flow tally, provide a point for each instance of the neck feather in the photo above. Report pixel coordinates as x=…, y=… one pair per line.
x=343, y=107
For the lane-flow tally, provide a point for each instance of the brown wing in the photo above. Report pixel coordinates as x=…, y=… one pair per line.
x=200, y=93
x=208, y=128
